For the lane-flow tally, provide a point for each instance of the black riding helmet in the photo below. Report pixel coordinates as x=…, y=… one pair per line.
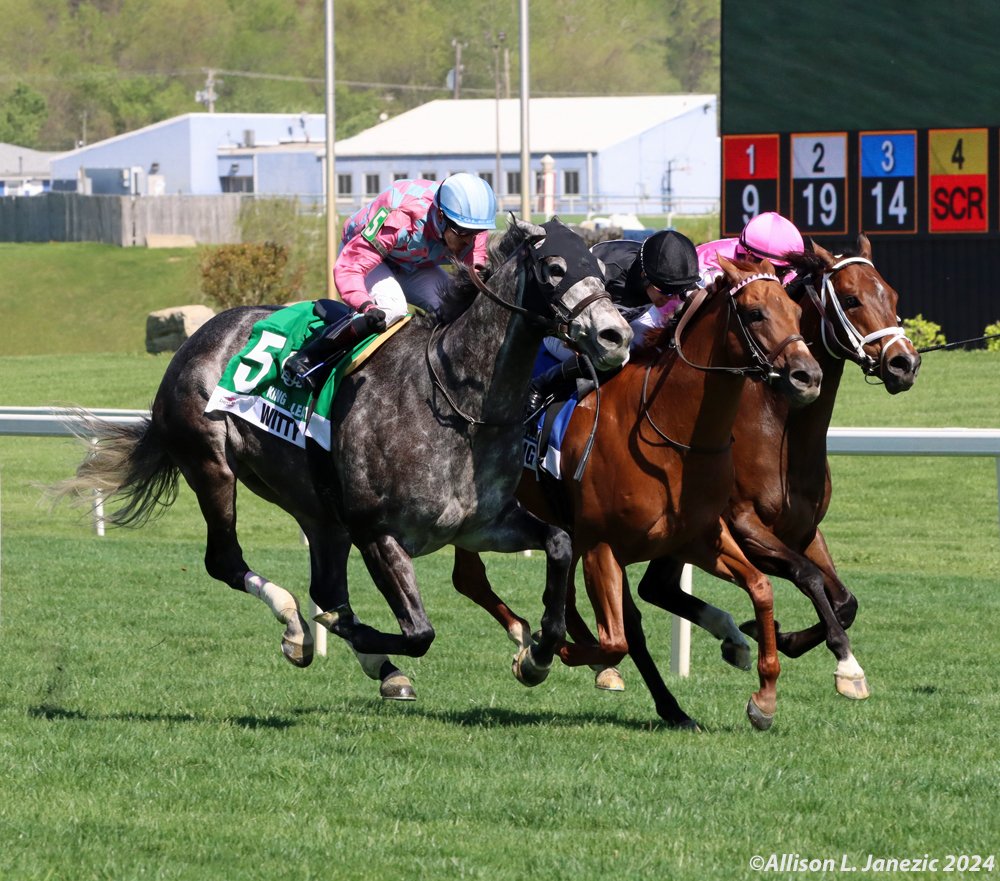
x=670, y=261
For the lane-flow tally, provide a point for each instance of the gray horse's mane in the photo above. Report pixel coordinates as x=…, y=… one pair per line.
x=460, y=291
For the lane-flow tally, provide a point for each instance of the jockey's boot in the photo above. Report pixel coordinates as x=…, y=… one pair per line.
x=334, y=339
x=542, y=387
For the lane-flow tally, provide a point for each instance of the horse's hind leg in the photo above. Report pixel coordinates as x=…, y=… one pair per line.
x=469, y=578
x=666, y=704
x=214, y=484
x=328, y=590
x=661, y=586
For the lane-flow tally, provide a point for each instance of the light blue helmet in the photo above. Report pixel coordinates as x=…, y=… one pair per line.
x=468, y=201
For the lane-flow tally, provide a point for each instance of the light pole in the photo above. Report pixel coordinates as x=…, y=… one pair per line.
x=525, y=135
x=500, y=37
x=331, y=176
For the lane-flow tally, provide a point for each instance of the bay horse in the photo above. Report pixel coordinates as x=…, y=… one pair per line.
x=425, y=444
x=782, y=489
x=661, y=468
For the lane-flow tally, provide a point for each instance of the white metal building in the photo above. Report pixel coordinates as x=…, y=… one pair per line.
x=642, y=154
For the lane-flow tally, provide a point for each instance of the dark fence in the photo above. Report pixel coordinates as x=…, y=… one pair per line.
x=953, y=282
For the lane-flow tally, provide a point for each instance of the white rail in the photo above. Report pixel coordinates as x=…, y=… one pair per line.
x=982, y=442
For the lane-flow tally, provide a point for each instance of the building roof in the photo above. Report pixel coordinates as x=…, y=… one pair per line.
x=556, y=125
x=24, y=162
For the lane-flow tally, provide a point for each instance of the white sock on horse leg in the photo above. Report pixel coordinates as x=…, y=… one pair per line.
x=281, y=603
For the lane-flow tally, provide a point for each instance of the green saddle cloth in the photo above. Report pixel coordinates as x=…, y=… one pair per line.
x=251, y=386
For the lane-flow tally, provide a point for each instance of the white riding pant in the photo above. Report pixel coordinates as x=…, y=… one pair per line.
x=391, y=289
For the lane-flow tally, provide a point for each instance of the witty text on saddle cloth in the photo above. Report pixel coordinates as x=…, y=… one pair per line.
x=251, y=386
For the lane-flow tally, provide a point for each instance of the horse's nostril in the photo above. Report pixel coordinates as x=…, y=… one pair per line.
x=805, y=378
x=903, y=364
x=612, y=337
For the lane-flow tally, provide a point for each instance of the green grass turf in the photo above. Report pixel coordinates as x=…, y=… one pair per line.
x=149, y=727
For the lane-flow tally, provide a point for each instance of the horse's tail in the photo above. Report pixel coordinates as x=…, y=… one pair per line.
x=127, y=465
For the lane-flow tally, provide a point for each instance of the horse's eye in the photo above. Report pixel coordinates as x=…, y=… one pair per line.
x=851, y=302
x=754, y=316
x=554, y=271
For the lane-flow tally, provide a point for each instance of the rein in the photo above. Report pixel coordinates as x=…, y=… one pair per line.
x=763, y=366
x=763, y=362
x=855, y=351
x=558, y=326
x=564, y=315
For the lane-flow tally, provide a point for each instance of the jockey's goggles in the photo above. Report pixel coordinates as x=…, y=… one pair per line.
x=460, y=231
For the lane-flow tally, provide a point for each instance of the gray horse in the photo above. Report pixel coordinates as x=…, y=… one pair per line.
x=425, y=450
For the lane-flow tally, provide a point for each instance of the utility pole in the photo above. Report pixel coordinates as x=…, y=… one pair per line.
x=457, y=45
x=331, y=137
x=207, y=96
x=525, y=133
x=500, y=37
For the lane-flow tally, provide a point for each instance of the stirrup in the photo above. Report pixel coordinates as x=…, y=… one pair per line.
x=536, y=403
x=293, y=374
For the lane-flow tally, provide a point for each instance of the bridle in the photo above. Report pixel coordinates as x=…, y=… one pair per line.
x=564, y=315
x=826, y=301
x=762, y=362
x=762, y=366
x=559, y=325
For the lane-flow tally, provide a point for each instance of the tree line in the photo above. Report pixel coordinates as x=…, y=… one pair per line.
x=78, y=71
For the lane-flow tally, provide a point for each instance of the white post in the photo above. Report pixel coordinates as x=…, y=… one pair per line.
x=318, y=630
x=548, y=186
x=998, y=488
x=680, y=634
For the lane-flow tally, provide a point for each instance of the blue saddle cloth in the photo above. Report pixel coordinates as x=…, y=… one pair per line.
x=544, y=435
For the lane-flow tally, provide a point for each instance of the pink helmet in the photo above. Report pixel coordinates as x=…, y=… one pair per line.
x=771, y=235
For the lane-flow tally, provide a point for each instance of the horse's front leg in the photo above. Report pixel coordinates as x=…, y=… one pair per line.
x=391, y=568
x=517, y=530
x=661, y=586
x=814, y=575
x=720, y=555
x=328, y=590
x=603, y=576
x=849, y=677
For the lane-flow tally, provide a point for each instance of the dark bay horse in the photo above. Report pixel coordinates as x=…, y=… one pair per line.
x=425, y=444
x=782, y=489
x=660, y=471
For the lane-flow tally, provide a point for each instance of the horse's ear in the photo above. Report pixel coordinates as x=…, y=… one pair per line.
x=822, y=252
x=768, y=267
x=531, y=232
x=864, y=246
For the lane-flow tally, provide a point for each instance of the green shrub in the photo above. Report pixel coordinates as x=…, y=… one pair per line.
x=994, y=344
x=249, y=275
x=923, y=333
x=296, y=226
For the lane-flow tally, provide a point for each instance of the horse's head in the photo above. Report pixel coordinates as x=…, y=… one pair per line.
x=766, y=330
x=857, y=314
x=565, y=285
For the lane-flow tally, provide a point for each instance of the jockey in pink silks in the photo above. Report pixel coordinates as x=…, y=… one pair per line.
x=392, y=253
x=767, y=235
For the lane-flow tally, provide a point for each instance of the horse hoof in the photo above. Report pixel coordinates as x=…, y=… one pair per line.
x=609, y=679
x=758, y=718
x=397, y=687
x=526, y=670
x=297, y=644
x=853, y=687
x=736, y=654
x=685, y=724
x=297, y=655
